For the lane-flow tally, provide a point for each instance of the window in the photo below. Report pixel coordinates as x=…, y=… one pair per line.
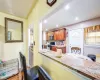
x=92, y=35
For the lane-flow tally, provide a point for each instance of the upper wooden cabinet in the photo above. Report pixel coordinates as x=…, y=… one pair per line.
x=60, y=34
x=56, y=35
x=48, y=34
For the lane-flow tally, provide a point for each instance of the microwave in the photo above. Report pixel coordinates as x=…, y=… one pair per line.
x=52, y=43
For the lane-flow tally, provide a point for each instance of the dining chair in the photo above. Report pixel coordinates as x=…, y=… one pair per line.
x=76, y=50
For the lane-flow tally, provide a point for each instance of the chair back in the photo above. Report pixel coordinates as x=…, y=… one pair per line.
x=76, y=50
x=43, y=75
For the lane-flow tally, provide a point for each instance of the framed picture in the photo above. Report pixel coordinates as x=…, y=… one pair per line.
x=9, y=35
x=51, y=2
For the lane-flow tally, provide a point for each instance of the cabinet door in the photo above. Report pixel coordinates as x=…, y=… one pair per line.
x=59, y=35
x=62, y=34
x=64, y=50
x=54, y=48
x=46, y=36
x=55, y=35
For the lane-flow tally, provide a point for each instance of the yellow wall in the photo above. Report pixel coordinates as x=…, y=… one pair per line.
x=40, y=10
x=60, y=72
x=2, y=37
x=1, y=41
x=11, y=50
x=56, y=72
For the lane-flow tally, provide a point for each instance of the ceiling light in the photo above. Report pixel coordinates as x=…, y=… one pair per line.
x=46, y=29
x=67, y=7
x=56, y=25
x=45, y=21
x=76, y=18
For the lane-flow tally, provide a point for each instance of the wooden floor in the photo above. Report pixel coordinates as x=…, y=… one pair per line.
x=16, y=77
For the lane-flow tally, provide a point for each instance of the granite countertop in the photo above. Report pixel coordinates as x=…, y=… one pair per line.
x=85, y=67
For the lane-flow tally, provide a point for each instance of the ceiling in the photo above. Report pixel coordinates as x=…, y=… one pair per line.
x=20, y=8
x=73, y=12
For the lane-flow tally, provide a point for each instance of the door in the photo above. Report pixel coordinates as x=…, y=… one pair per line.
x=30, y=46
x=76, y=39
x=62, y=34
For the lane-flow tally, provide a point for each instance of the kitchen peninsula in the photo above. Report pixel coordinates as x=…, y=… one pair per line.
x=79, y=64
x=56, y=39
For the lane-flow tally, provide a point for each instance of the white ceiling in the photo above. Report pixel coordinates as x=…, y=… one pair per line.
x=19, y=8
x=77, y=11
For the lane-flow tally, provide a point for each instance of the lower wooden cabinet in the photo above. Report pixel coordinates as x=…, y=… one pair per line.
x=54, y=48
x=63, y=49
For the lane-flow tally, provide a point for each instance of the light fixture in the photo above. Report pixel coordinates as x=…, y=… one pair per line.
x=76, y=18
x=45, y=21
x=56, y=25
x=46, y=29
x=67, y=7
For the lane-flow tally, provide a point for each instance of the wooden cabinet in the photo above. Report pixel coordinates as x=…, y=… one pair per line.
x=60, y=34
x=48, y=34
x=54, y=48
x=63, y=49
x=55, y=38
x=56, y=35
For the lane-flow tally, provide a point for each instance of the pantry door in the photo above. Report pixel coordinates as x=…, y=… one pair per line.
x=76, y=39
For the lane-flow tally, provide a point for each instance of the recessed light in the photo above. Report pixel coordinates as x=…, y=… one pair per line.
x=76, y=18
x=56, y=25
x=45, y=21
x=46, y=29
x=67, y=7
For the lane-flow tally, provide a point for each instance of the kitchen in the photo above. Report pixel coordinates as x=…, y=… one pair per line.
x=56, y=39
x=74, y=41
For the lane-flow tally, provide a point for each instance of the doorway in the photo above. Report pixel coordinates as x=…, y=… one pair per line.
x=30, y=46
x=76, y=39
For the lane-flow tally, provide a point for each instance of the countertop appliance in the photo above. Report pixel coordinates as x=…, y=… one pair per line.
x=52, y=43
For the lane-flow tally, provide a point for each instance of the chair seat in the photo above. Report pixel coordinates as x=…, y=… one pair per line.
x=32, y=74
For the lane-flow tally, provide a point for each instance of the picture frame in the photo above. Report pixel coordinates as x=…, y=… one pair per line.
x=51, y=2
x=8, y=34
